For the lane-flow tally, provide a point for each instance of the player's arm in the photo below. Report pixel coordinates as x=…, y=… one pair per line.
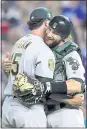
x=75, y=76
x=75, y=81
x=74, y=69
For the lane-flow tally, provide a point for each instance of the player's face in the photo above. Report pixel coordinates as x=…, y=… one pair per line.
x=51, y=37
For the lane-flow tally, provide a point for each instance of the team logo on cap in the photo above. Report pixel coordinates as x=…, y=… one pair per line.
x=32, y=18
x=70, y=36
x=61, y=22
x=49, y=15
x=54, y=25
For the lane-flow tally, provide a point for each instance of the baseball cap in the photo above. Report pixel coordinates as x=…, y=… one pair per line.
x=41, y=13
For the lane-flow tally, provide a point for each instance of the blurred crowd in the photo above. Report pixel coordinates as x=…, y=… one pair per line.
x=15, y=14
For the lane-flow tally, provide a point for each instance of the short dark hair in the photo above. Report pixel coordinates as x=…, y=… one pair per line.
x=35, y=24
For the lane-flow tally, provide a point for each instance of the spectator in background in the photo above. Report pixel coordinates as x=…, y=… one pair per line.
x=76, y=11
x=4, y=29
x=4, y=25
x=14, y=19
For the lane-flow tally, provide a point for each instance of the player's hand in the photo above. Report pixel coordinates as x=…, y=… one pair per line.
x=6, y=64
x=77, y=100
x=73, y=86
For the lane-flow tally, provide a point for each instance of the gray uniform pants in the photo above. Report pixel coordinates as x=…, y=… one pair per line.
x=14, y=114
x=66, y=118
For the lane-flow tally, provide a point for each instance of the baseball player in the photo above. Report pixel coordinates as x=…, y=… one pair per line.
x=68, y=66
x=35, y=58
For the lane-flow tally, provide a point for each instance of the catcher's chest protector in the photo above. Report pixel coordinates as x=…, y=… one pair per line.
x=59, y=73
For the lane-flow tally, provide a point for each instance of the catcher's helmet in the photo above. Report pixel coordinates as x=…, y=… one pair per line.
x=62, y=25
x=41, y=13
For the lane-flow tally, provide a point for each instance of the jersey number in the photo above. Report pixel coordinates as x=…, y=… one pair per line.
x=15, y=65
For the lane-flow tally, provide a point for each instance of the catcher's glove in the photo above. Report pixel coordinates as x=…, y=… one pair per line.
x=28, y=90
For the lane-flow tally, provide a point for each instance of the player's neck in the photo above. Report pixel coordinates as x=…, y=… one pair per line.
x=38, y=32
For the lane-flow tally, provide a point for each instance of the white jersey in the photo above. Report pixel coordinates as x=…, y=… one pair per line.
x=36, y=59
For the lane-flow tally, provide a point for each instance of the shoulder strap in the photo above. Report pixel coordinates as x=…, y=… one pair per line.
x=71, y=47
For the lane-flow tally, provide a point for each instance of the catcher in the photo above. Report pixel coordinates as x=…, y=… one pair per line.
x=64, y=95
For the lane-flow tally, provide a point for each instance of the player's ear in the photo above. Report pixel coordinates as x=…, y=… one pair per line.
x=46, y=23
